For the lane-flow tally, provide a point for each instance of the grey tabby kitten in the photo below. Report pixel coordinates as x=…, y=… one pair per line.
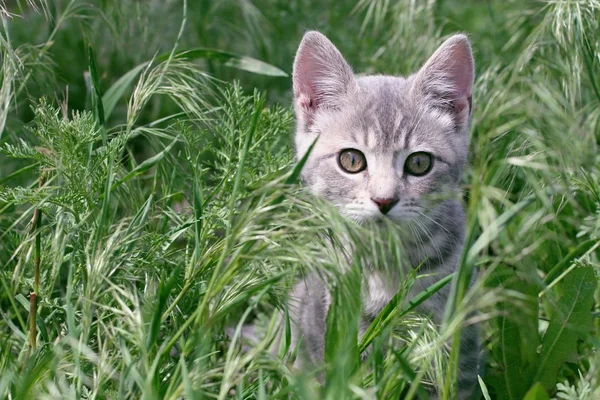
x=387, y=146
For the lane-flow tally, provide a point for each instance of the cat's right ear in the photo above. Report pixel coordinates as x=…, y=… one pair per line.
x=446, y=80
x=321, y=76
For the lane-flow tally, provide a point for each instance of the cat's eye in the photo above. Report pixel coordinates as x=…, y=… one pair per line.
x=352, y=161
x=418, y=164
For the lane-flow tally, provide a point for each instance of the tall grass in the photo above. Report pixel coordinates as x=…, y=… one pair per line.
x=152, y=142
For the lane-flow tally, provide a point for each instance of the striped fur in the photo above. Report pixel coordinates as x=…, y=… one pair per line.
x=387, y=118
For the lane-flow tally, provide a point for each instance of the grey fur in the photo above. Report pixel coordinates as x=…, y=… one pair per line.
x=387, y=118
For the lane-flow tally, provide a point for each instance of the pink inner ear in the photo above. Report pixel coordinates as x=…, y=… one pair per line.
x=461, y=69
x=449, y=73
x=321, y=75
x=303, y=77
x=308, y=69
x=304, y=90
x=462, y=79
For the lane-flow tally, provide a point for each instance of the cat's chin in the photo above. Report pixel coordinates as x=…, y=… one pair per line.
x=381, y=220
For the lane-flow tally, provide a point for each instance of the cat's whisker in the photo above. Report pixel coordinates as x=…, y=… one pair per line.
x=432, y=210
x=431, y=240
x=436, y=223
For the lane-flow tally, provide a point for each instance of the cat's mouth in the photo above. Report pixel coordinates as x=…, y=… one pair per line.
x=383, y=220
x=392, y=219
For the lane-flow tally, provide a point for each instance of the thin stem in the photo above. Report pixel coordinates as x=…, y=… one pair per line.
x=36, y=224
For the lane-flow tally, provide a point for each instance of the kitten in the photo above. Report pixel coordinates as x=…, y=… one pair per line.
x=387, y=146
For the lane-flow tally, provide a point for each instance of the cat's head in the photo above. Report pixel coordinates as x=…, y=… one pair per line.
x=386, y=145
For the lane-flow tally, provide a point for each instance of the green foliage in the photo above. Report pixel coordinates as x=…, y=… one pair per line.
x=172, y=213
x=571, y=322
x=526, y=361
x=517, y=334
x=537, y=392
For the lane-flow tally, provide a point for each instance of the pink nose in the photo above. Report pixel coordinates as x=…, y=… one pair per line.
x=385, y=205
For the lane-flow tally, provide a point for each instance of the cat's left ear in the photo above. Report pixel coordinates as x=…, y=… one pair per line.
x=446, y=80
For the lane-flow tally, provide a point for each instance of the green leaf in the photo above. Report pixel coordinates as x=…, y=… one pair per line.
x=262, y=392
x=592, y=62
x=138, y=222
x=537, y=392
x=97, y=106
x=232, y=60
x=295, y=174
x=571, y=321
x=559, y=268
x=102, y=225
x=516, y=331
x=116, y=91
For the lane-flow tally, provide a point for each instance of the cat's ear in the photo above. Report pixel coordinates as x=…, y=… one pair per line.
x=446, y=79
x=322, y=77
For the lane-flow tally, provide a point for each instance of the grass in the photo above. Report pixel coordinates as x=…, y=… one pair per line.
x=149, y=201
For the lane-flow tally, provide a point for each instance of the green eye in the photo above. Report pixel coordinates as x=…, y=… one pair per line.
x=418, y=164
x=352, y=161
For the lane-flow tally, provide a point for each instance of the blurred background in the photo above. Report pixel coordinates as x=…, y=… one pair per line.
x=391, y=37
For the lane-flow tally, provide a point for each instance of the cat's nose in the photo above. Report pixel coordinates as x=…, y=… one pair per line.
x=385, y=205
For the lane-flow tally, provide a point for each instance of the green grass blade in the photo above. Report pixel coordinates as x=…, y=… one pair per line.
x=198, y=201
x=392, y=310
x=484, y=389
x=97, y=106
x=465, y=271
x=145, y=165
x=562, y=266
x=38, y=366
x=412, y=377
x=164, y=290
x=232, y=60
x=295, y=175
x=118, y=89
x=341, y=334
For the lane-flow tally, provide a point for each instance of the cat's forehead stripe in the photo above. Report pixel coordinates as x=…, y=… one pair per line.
x=398, y=121
x=383, y=113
